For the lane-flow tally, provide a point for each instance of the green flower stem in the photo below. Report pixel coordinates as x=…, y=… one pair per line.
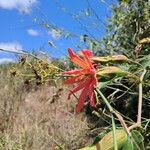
x=114, y=133
x=113, y=120
x=105, y=100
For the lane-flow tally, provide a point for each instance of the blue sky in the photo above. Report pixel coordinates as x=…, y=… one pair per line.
x=30, y=24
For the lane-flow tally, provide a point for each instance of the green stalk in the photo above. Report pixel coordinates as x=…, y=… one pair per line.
x=114, y=133
x=105, y=100
x=113, y=120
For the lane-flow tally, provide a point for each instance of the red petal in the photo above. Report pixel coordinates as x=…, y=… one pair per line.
x=72, y=80
x=77, y=60
x=87, y=58
x=81, y=100
x=71, y=53
x=91, y=95
x=87, y=52
x=74, y=72
x=95, y=80
x=80, y=86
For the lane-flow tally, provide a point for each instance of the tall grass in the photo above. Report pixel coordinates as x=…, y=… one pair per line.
x=37, y=118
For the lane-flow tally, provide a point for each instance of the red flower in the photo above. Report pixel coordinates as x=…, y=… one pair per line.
x=84, y=78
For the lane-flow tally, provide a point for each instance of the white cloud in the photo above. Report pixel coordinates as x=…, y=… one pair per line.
x=6, y=60
x=11, y=46
x=21, y=5
x=32, y=32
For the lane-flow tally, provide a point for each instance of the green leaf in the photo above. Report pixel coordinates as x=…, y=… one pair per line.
x=116, y=58
x=128, y=145
x=110, y=72
x=145, y=61
x=106, y=143
x=99, y=137
x=138, y=139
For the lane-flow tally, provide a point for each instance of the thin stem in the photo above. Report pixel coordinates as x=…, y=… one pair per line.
x=114, y=112
x=105, y=100
x=19, y=52
x=138, y=123
x=29, y=54
x=135, y=62
x=120, y=118
x=114, y=133
x=113, y=121
x=58, y=144
x=132, y=93
x=140, y=97
x=147, y=124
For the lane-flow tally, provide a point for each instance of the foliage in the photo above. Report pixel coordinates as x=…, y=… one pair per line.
x=128, y=25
